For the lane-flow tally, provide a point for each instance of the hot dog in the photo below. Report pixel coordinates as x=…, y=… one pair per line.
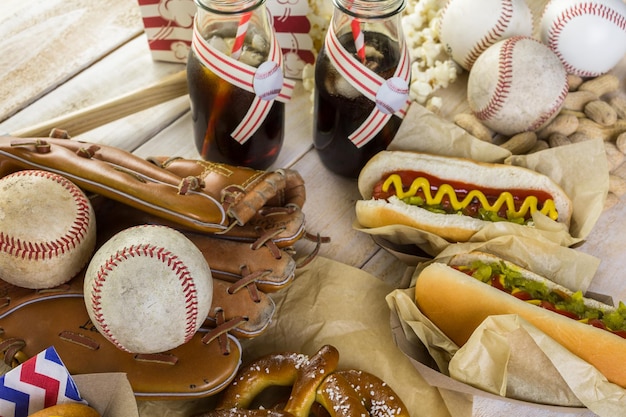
x=453, y=197
x=458, y=296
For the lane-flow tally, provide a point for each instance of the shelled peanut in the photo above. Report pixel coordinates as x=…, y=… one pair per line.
x=593, y=109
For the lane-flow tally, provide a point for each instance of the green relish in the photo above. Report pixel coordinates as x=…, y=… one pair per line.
x=510, y=280
x=481, y=213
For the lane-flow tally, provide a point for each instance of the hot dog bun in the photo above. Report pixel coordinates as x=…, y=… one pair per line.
x=458, y=303
x=67, y=410
x=456, y=228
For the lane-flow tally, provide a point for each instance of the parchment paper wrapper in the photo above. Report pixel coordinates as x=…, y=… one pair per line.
x=109, y=393
x=507, y=356
x=332, y=303
x=581, y=169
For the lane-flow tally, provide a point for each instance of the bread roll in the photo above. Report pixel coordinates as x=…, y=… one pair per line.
x=458, y=303
x=67, y=410
x=456, y=228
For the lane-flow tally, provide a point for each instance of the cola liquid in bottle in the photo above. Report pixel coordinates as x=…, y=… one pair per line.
x=217, y=105
x=340, y=108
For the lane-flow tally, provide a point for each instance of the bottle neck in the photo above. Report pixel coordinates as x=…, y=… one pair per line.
x=370, y=9
x=373, y=19
x=229, y=7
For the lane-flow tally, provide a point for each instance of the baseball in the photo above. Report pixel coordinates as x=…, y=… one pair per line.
x=517, y=85
x=589, y=37
x=47, y=229
x=468, y=27
x=268, y=81
x=148, y=289
x=392, y=95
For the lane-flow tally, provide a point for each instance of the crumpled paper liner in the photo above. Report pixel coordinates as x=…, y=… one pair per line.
x=506, y=355
x=109, y=393
x=581, y=169
x=332, y=303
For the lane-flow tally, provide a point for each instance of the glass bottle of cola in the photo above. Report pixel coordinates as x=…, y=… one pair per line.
x=362, y=77
x=236, y=84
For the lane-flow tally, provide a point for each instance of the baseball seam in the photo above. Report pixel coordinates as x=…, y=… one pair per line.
x=503, y=84
x=47, y=250
x=556, y=106
x=166, y=257
x=577, y=10
x=493, y=35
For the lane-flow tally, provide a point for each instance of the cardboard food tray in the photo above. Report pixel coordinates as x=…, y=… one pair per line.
x=457, y=394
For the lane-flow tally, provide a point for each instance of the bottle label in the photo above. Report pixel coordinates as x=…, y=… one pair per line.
x=266, y=82
x=391, y=96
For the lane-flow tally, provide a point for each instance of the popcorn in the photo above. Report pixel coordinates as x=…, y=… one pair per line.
x=431, y=68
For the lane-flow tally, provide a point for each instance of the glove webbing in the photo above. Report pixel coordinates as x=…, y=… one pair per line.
x=221, y=329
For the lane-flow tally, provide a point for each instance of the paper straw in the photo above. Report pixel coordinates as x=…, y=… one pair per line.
x=359, y=40
x=357, y=34
x=242, y=28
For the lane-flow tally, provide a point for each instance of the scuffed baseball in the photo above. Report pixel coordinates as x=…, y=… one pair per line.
x=47, y=229
x=468, y=27
x=148, y=289
x=517, y=85
x=589, y=36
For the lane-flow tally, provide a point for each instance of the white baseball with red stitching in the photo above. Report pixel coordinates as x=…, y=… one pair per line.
x=47, y=229
x=268, y=80
x=469, y=27
x=588, y=36
x=517, y=85
x=148, y=289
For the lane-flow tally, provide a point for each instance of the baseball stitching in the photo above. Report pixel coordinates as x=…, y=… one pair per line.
x=556, y=106
x=262, y=76
x=571, y=13
x=505, y=77
x=493, y=35
x=47, y=250
x=166, y=257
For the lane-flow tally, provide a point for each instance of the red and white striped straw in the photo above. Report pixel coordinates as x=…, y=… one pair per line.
x=359, y=39
x=242, y=28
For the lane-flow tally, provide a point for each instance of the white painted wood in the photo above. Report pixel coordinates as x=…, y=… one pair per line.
x=46, y=43
x=62, y=56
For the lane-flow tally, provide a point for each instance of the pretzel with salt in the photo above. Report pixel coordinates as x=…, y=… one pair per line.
x=316, y=384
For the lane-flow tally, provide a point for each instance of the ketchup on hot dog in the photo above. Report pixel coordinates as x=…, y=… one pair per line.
x=434, y=194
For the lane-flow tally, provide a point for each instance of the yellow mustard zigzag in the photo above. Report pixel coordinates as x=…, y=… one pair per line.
x=530, y=202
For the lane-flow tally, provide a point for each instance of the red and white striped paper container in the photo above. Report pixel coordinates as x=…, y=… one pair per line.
x=168, y=26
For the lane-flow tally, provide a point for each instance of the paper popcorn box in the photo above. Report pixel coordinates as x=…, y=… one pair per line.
x=168, y=27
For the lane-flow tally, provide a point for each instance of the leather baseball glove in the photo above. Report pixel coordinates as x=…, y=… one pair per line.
x=244, y=221
x=197, y=368
x=233, y=202
x=32, y=320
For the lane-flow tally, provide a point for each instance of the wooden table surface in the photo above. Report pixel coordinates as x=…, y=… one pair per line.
x=60, y=56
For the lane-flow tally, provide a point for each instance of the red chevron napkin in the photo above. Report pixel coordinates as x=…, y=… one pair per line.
x=40, y=382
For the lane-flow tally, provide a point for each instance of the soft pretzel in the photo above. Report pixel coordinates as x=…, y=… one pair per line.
x=317, y=388
x=283, y=369
x=373, y=395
